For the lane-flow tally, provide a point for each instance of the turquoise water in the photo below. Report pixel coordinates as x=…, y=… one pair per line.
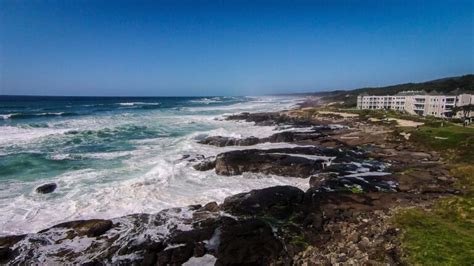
x=116, y=156
x=114, y=123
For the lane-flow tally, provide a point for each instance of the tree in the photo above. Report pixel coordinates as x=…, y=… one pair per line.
x=464, y=109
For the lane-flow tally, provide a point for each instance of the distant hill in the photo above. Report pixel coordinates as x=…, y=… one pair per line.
x=451, y=85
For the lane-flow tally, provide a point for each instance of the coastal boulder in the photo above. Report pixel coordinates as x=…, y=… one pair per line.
x=46, y=188
x=285, y=136
x=278, y=201
x=90, y=228
x=205, y=165
x=220, y=141
x=266, y=162
x=247, y=242
x=272, y=118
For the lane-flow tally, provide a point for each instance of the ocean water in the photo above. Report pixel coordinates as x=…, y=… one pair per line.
x=116, y=156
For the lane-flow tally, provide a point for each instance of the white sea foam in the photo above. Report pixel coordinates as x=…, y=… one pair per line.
x=207, y=100
x=137, y=103
x=149, y=178
x=367, y=173
x=12, y=135
x=6, y=116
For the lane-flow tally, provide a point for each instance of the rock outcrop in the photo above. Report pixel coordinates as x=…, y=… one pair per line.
x=285, y=136
x=357, y=177
x=257, y=161
x=250, y=228
x=46, y=188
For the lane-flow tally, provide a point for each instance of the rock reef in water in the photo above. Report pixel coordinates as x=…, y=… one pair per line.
x=46, y=188
x=356, y=177
x=248, y=228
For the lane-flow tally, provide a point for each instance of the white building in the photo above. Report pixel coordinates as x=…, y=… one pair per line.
x=462, y=100
x=417, y=102
x=381, y=102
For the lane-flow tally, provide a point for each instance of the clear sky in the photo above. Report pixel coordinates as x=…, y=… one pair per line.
x=180, y=48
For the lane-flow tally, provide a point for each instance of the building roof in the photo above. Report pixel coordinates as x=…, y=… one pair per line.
x=407, y=93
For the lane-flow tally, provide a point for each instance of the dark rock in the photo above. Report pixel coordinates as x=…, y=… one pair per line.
x=292, y=136
x=192, y=236
x=205, y=165
x=218, y=141
x=279, y=201
x=175, y=256
x=139, y=246
x=227, y=141
x=192, y=158
x=342, y=169
x=5, y=254
x=8, y=241
x=248, y=242
x=266, y=162
x=194, y=207
x=46, y=188
x=357, y=184
x=93, y=263
x=286, y=136
x=272, y=118
x=211, y=207
x=199, y=249
x=149, y=259
x=91, y=228
x=249, y=141
x=319, y=179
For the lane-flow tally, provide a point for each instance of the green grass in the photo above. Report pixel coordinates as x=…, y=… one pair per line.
x=454, y=142
x=432, y=239
x=445, y=234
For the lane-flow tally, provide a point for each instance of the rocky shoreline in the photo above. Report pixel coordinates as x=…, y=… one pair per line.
x=359, y=172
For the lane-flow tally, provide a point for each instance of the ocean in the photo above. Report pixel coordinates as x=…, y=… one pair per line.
x=113, y=156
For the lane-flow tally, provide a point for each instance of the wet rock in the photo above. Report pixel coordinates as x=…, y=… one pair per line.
x=211, y=207
x=292, y=136
x=266, y=162
x=228, y=141
x=149, y=259
x=248, y=242
x=342, y=169
x=46, y=188
x=258, y=118
x=272, y=118
x=286, y=136
x=205, y=165
x=91, y=228
x=5, y=254
x=279, y=201
x=192, y=236
x=8, y=241
x=358, y=184
x=199, y=249
x=192, y=158
x=176, y=255
x=318, y=180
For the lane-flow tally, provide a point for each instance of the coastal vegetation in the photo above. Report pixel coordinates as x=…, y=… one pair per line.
x=441, y=232
x=450, y=85
x=444, y=233
x=384, y=187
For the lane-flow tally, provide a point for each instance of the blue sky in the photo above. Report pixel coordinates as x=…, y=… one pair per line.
x=153, y=48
